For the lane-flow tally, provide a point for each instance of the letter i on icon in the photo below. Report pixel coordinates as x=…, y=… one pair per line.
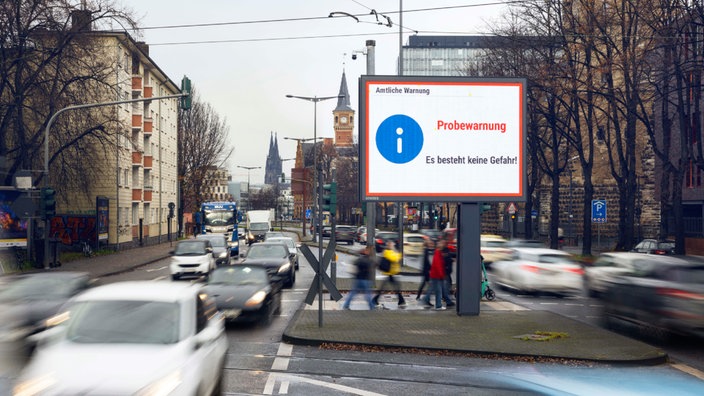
x=399, y=141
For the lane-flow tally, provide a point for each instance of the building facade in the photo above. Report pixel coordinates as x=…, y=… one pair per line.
x=140, y=179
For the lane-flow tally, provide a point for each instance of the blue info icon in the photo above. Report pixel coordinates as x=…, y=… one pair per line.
x=399, y=139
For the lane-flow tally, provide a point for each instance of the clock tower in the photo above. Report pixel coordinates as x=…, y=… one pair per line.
x=344, y=117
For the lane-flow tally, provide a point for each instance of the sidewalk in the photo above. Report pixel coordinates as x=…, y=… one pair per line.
x=501, y=328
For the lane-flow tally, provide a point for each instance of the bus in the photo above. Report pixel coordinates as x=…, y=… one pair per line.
x=221, y=218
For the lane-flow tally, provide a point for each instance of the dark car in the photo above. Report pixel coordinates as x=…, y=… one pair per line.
x=431, y=233
x=382, y=237
x=245, y=293
x=221, y=250
x=275, y=257
x=665, y=294
x=345, y=233
x=654, y=246
x=327, y=231
x=26, y=301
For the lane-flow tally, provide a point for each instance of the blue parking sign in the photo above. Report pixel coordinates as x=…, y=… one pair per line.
x=307, y=213
x=598, y=211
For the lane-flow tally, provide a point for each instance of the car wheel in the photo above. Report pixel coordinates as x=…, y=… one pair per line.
x=296, y=264
x=291, y=279
x=175, y=277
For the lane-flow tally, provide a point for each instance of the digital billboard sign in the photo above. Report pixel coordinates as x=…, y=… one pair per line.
x=442, y=138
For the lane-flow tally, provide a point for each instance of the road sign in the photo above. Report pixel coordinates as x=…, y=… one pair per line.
x=307, y=213
x=511, y=208
x=598, y=211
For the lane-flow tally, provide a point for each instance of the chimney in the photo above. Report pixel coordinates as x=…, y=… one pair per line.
x=144, y=47
x=81, y=21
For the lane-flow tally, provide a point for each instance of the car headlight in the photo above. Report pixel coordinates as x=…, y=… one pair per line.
x=256, y=299
x=163, y=386
x=34, y=386
x=285, y=267
x=223, y=254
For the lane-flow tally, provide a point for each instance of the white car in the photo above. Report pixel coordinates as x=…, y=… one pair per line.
x=611, y=264
x=413, y=244
x=193, y=258
x=535, y=270
x=131, y=338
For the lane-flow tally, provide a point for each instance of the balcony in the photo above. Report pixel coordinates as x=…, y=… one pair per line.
x=148, y=159
x=148, y=125
x=136, y=121
x=136, y=158
x=136, y=195
x=136, y=84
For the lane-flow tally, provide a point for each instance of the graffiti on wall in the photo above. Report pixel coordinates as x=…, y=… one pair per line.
x=72, y=229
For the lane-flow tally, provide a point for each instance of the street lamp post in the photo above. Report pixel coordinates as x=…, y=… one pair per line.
x=317, y=205
x=315, y=101
x=303, y=204
x=248, y=168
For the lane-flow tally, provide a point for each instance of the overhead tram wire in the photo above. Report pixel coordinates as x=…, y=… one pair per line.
x=214, y=24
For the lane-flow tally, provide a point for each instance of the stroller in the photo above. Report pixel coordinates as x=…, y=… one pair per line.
x=486, y=290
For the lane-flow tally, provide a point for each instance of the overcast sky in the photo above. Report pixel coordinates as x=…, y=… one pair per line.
x=245, y=56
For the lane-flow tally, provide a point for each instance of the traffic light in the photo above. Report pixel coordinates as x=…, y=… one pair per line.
x=330, y=197
x=186, y=89
x=48, y=204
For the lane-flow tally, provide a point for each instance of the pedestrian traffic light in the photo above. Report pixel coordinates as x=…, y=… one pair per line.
x=186, y=89
x=330, y=198
x=48, y=204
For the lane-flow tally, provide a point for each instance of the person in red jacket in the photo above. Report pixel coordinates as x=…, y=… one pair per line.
x=437, y=278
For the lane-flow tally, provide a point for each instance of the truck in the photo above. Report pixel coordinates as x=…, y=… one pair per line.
x=258, y=223
x=220, y=218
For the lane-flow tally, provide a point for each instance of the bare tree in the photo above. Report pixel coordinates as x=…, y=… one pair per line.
x=47, y=62
x=202, y=144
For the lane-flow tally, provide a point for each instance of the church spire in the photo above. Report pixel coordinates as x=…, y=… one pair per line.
x=343, y=100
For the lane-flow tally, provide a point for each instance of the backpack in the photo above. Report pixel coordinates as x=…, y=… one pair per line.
x=384, y=264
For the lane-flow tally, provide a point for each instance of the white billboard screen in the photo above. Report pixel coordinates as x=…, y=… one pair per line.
x=442, y=138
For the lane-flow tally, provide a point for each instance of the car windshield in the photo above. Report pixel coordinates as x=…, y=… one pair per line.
x=415, y=239
x=239, y=275
x=493, y=243
x=267, y=251
x=36, y=288
x=190, y=249
x=124, y=322
x=288, y=241
x=258, y=226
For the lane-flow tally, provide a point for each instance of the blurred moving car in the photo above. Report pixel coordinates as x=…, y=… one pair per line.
x=193, y=258
x=653, y=246
x=327, y=231
x=413, y=244
x=292, y=247
x=345, y=233
x=131, y=338
x=382, y=237
x=611, y=264
x=362, y=234
x=245, y=293
x=26, y=301
x=528, y=243
x=539, y=270
x=431, y=233
x=493, y=248
x=666, y=295
x=450, y=235
x=221, y=250
x=275, y=257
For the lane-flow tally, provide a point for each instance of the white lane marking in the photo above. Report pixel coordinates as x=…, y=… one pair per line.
x=689, y=370
x=156, y=269
x=290, y=378
x=280, y=364
x=285, y=350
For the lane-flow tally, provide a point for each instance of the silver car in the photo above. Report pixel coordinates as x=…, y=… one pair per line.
x=292, y=248
x=131, y=338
